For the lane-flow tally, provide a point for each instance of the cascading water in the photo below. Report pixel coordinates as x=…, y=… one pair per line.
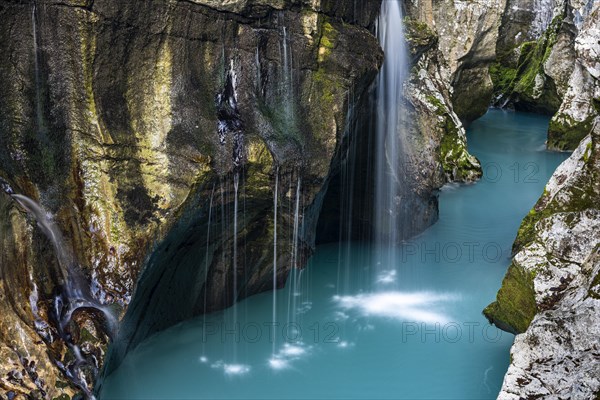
x=293, y=277
x=206, y=258
x=275, y=199
x=75, y=291
x=390, y=146
x=236, y=186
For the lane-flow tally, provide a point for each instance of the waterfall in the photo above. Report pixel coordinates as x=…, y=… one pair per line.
x=293, y=277
x=390, y=132
x=206, y=263
x=275, y=196
x=65, y=259
x=76, y=293
x=286, y=89
x=296, y=225
x=236, y=184
x=258, y=74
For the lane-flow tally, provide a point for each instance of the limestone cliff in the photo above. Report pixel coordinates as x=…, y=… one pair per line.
x=581, y=103
x=467, y=32
x=551, y=294
x=131, y=123
x=542, y=48
x=182, y=149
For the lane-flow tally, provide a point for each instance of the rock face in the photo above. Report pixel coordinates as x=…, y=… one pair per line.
x=535, y=55
x=137, y=125
x=545, y=53
x=184, y=149
x=581, y=102
x=449, y=82
x=467, y=32
x=551, y=294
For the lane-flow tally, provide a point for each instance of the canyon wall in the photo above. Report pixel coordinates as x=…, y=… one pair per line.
x=158, y=137
x=550, y=294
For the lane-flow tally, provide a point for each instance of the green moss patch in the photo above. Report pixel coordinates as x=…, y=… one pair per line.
x=419, y=36
x=567, y=133
x=519, y=81
x=515, y=304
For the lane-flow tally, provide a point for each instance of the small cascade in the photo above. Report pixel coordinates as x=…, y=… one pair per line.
x=236, y=183
x=75, y=294
x=63, y=255
x=390, y=147
x=287, y=75
x=206, y=261
x=296, y=224
x=294, y=259
x=275, y=198
x=258, y=73
x=229, y=123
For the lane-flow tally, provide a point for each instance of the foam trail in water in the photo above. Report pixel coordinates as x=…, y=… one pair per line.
x=412, y=307
x=287, y=354
x=231, y=369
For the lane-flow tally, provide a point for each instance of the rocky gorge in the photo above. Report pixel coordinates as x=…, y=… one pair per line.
x=192, y=152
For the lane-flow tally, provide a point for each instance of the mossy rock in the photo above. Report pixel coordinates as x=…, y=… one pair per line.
x=457, y=163
x=515, y=304
x=566, y=134
x=520, y=83
x=419, y=37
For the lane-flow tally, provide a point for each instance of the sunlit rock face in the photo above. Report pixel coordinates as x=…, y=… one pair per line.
x=550, y=295
x=541, y=66
x=467, y=32
x=581, y=103
x=132, y=122
x=535, y=55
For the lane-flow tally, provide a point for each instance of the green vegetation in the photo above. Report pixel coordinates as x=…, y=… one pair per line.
x=595, y=282
x=328, y=39
x=567, y=133
x=418, y=35
x=515, y=304
x=520, y=79
x=457, y=163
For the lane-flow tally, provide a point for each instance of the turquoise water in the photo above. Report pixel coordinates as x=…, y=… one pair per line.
x=350, y=327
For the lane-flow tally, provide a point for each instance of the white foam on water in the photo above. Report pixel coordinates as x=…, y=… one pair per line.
x=414, y=307
x=387, y=277
x=292, y=351
x=278, y=363
x=288, y=353
x=231, y=369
